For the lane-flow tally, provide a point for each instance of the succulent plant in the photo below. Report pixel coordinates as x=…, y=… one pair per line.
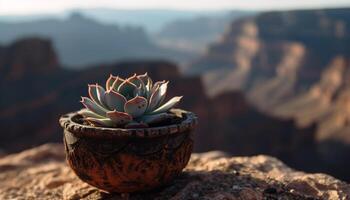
x=131, y=102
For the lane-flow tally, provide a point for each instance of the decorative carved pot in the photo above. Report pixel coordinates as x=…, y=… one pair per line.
x=128, y=160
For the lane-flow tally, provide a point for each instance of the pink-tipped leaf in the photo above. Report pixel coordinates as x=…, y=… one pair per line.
x=136, y=106
x=87, y=113
x=148, y=84
x=115, y=101
x=153, y=100
x=93, y=92
x=127, y=89
x=96, y=93
x=168, y=105
x=101, y=94
x=145, y=78
x=136, y=80
x=158, y=95
x=119, y=118
x=110, y=81
x=93, y=106
x=118, y=81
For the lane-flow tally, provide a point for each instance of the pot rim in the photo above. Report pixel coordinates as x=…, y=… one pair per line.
x=66, y=121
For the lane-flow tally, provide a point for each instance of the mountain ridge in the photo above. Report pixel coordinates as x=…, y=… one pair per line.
x=80, y=41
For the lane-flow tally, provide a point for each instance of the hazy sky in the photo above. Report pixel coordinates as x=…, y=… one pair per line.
x=49, y=6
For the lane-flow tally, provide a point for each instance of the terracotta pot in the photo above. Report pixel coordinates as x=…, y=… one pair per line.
x=128, y=160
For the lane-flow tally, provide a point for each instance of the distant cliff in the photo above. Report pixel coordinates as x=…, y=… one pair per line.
x=25, y=58
x=292, y=64
x=193, y=35
x=256, y=53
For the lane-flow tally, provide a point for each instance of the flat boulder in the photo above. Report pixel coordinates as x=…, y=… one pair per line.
x=42, y=173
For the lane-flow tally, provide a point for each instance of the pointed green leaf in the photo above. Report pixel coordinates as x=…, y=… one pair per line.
x=136, y=80
x=167, y=106
x=93, y=93
x=158, y=95
x=141, y=91
x=158, y=83
x=152, y=100
x=87, y=113
x=155, y=86
x=148, y=85
x=118, y=81
x=136, y=107
x=93, y=107
x=115, y=101
x=141, y=87
x=101, y=95
x=148, y=89
x=96, y=93
x=119, y=118
x=110, y=81
x=161, y=93
x=127, y=89
x=145, y=78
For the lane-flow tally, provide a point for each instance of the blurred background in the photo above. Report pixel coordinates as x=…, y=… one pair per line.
x=265, y=77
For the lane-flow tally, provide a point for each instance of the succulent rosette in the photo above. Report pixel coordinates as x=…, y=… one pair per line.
x=132, y=102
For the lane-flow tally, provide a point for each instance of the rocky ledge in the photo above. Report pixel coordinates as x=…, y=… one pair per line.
x=41, y=173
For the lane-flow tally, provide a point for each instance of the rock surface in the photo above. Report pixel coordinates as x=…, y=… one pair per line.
x=41, y=173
